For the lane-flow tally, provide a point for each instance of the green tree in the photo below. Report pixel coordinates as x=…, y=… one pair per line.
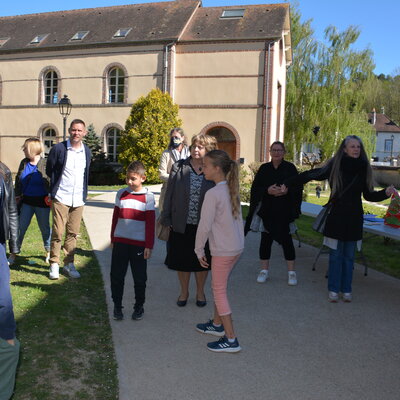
x=146, y=131
x=94, y=143
x=326, y=88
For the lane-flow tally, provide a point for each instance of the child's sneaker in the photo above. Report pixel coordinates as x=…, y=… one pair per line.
x=263, y=276
x=118, y=315
x=224, y=345
x=210, y=328
x=54, y=271
x=292, y=278
x=333, y=297
x=137, y=313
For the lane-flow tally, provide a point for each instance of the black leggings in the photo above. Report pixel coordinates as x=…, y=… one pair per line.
x=266, y=244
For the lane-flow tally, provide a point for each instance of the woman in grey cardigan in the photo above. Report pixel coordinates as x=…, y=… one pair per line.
x=181, y=212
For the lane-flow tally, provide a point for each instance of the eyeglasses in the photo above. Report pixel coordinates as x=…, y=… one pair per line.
x=277, y=151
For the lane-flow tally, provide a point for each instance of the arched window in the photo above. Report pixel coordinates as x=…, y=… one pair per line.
x=112, y=140
x=116, y=85
x=50, y=87
x=49, y=138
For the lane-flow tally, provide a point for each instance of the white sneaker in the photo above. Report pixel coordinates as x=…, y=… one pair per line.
x=54, y=272
x=263, y=276
x=71, y=271
x=47, y=257
x=347, y=297
x=292, y=278
x=333, y=297
x=11, y=259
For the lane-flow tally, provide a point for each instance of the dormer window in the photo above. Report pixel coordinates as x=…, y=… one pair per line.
x=39, y=38
x=3, y=41
x=122, y=32
x=233, y=13
x=79, y=35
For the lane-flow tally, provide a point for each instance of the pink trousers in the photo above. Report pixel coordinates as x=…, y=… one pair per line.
x=221, y=267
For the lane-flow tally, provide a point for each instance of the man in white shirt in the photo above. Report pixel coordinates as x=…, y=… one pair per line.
x=68, y=168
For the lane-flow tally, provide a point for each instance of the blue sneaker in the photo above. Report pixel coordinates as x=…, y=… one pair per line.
x=210, y=328
x=224, y=345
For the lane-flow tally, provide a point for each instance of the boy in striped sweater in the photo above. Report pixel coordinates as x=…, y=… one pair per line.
x=132, y=238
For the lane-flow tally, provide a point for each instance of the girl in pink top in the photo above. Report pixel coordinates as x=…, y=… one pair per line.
x=221, y=223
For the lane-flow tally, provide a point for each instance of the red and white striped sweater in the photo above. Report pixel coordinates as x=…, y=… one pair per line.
x=133, y=219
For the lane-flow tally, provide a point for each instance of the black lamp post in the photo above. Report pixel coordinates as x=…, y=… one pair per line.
x=65, y=107
x=391, y=148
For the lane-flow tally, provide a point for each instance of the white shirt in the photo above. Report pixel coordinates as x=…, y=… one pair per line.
x=70, y=191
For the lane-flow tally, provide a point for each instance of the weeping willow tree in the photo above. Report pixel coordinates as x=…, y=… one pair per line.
x=326, y=89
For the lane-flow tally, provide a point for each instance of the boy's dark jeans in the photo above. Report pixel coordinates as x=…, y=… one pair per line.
x=122, y=255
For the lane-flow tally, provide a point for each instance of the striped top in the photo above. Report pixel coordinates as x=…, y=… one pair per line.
x=133, y=219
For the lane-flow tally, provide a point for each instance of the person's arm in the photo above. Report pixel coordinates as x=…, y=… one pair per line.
x=51, y=161
x=163, y=169
x=115, y=216
x=150, y=221
x=13, y=217
x=379, y=195
x=18, y=188
x=207, y=217
x=165, y=217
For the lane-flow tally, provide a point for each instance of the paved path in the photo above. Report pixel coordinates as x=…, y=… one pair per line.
x=295, y=344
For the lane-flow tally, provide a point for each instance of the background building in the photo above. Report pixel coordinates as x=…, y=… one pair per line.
x=224, y=66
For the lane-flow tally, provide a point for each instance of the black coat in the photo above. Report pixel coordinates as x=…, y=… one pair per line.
x=345, y=222
x=9, y=210
x=276, y=212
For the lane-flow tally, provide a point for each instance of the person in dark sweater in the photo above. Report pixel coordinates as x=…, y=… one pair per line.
x=277, y=210
x=350, y=176
x=9, y=345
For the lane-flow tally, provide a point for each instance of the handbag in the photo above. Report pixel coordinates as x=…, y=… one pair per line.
x=320, y=221
x=392, y=217
x=162, y=231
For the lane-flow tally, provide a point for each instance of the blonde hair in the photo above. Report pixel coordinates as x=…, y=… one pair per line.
x=33, y=146
x=230, y=169
x=208, y=141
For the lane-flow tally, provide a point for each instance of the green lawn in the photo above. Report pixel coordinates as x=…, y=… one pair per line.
x=66, y=344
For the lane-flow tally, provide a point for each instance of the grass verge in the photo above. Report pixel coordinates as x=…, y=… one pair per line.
x=66, y=343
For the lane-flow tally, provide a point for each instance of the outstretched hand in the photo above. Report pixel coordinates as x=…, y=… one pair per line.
x=390, y=190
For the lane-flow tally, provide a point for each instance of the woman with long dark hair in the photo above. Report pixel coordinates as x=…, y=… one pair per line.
x=350, y=176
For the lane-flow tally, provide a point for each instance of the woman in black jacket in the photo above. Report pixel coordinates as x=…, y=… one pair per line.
x=277, y=210
x=350, y=175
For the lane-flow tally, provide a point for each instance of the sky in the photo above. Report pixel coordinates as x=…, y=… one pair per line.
x=378, y=21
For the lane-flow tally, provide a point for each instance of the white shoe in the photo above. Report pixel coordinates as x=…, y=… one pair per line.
x=11, y=259
x=47, y=257
x=347, y=297
x=263, y=276
x=71, y=271
x=333, y=297
x=292, y=278
x=54, y=272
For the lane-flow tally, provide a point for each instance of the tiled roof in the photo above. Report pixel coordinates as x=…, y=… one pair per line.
x=150, y=22
x=383, y=123
x=265, y=21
